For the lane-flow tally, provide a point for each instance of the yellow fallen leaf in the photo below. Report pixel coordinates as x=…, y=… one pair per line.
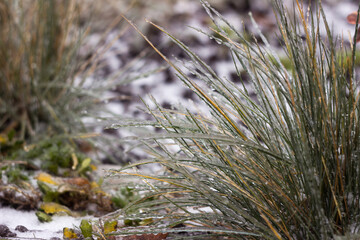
x=110, y=226
x=93, y=167
x=69, y=233
x=52, y=208
x=95, y=188
x=3, y=138
x=94, y=185
x=46, y=178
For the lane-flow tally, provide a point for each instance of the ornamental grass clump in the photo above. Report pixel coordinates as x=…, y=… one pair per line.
x=49, y=97
x=39, y=64
x=47, y=87
x=282, y=166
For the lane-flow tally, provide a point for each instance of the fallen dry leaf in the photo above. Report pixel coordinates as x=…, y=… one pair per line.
x=110, y=226
x=159, y=236
x=79, y=181
x=69, y=233
x=351, y=18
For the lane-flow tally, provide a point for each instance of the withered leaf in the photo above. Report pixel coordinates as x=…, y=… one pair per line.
x=159, y=236
x=351, y=18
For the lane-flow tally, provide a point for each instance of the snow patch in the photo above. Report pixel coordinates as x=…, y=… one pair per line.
x=12, y=218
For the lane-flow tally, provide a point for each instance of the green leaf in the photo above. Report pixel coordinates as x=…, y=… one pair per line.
x=84, y=165
x=86, y=228
x=43, y=217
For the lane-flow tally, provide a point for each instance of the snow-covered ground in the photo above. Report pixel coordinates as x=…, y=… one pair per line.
x=13, y=218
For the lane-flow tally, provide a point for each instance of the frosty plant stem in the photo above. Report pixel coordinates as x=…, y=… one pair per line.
x=281, y=166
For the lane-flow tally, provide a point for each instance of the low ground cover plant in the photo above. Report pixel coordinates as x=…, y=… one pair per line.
x=283, y=165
